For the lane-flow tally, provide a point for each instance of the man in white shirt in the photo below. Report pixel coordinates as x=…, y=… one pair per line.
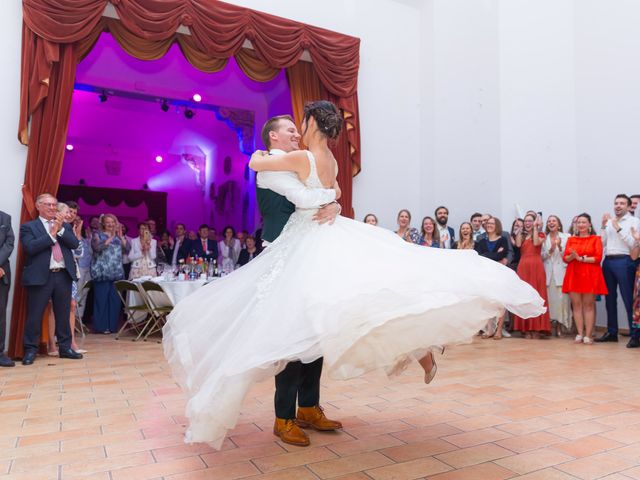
x=618, y=267
x=447, y=234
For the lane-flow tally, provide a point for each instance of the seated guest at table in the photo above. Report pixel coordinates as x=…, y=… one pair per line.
x=242, y=238
x=584, y=279
x=143, y=253
x=495, y=246
x=465, y=234
x=108, y=246
x=371, y=219
x=248, y=253
x=165, y=248
x=429, y=234
x=229, y=248
x=203, y=246
x=49, y=270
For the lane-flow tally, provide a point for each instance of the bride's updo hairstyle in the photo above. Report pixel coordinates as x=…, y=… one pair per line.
x=327, y=117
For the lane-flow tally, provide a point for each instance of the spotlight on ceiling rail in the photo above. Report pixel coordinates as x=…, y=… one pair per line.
x=164, y=106
x=188, y=113
x=103, y=96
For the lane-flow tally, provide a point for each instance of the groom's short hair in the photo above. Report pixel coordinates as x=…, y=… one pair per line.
x=271, y=126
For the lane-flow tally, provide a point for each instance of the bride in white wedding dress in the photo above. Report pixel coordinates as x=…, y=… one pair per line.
x=355, y=294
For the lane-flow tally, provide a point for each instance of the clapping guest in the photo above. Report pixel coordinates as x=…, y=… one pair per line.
x=555, y=267
x=583, y=279
x=143, y=253
x=165, y=248
x=108, y=246
x=371, y=219
x=153, y=227
x=495, y=246
x=465, y=234
x=635, y=201
x=202, y=246
x=229, y=248
x=180, y=244
x=405, y=231
x=249, y=253
x=429, y=234
x=573, y=229
x=516, y=230
x=635, y=254
x=531, y=270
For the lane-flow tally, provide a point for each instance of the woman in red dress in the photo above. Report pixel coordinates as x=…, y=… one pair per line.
x=531, y=270
x=583, y=279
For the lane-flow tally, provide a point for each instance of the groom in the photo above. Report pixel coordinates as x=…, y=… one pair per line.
x=278, y=194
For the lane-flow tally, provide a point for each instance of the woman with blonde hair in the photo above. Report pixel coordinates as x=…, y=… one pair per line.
x=107, y=245
x=465, y=235
x=429, y=234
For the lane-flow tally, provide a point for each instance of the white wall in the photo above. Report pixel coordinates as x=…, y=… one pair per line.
x=388, y=90
x=13, y=154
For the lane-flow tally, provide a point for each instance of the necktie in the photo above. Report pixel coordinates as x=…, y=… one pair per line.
x=56, y=250
x=204, y=246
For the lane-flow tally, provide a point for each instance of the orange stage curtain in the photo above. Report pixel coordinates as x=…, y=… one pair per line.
x=59, y=33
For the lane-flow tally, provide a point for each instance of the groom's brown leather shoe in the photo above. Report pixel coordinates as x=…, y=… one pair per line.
x=289, y=432
x=314, y=417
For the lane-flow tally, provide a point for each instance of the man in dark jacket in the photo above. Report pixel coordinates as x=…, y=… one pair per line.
x=6, y=247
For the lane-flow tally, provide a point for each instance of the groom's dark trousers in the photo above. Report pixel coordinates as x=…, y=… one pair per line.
x=298, y=380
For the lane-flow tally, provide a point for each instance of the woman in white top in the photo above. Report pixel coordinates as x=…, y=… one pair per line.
x=555, y=267
x=229, y=249
x=143, y=254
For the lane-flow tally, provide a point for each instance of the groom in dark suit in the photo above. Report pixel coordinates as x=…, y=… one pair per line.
x=278, y=194
x=48, y=272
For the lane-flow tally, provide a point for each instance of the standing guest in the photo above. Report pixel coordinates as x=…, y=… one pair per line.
x=429, y=234
x=153, y=227
x=466, y=241
x=7, y=239
x=165, y=248
x=143, y=253
x=584, y=279
x=635, y=201
x=573, y=229
x=49, y=270
x=476, y=224
x=447, y=234
x=493, y=245
x=193, y=236
x=202, y=246
x=618, y=267
x=179, y=244
x=555, y=267
x=108, y=246
x=94, y=224
x=213, y=234
x=126, y=261
x=229, y=248
x=371, y=219
x=248, y=253
x=405, y=231
x=84, y=266
x=635, y=254
x=258, y=236
x=531, y=270
x=516, y=230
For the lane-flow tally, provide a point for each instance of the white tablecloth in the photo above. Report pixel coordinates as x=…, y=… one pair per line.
x=179, y=289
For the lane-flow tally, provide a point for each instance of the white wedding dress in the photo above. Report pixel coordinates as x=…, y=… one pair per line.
x=356, y=294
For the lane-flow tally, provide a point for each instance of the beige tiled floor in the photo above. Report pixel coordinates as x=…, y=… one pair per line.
x=530, y=409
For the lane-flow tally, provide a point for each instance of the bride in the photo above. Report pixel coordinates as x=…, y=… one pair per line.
x=355, y=294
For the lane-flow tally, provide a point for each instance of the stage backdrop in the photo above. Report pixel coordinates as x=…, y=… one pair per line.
x=57, y=34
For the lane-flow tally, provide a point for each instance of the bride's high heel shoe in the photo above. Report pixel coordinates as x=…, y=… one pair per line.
x=430, y=375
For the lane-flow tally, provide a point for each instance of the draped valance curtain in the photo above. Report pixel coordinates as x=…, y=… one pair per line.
x=57, y=34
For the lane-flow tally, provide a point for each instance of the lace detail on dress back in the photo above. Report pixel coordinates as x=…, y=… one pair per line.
x=314, y=180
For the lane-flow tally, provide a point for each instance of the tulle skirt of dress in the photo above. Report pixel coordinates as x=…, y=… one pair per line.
x=355, y=294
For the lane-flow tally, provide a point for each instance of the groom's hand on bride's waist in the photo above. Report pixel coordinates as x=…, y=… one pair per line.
x=328, y=213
